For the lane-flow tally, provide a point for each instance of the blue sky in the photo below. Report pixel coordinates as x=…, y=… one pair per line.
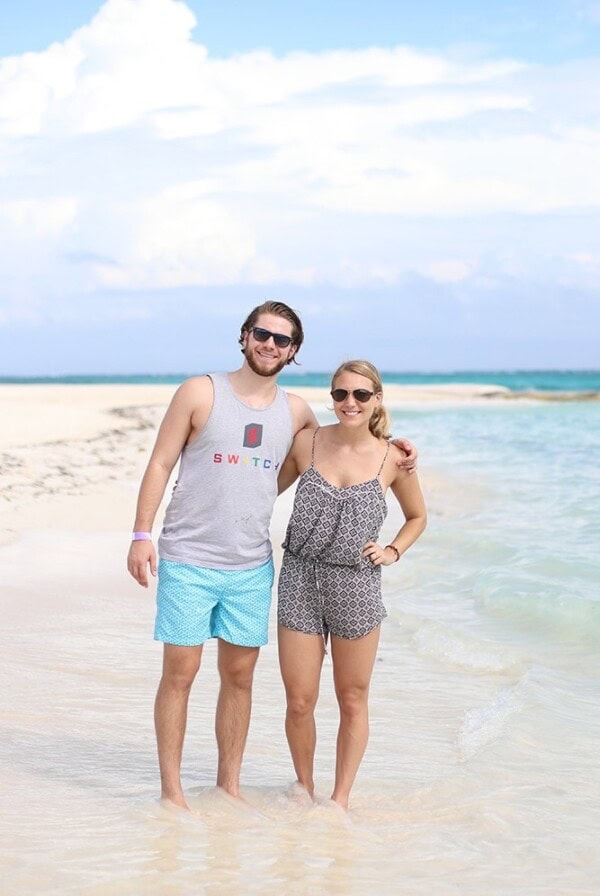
x=420, y=181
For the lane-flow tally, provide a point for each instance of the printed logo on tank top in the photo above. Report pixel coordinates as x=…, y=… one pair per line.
x=253, y=434
x=253, y=438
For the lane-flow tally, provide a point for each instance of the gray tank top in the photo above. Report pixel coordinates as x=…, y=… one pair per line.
x=331, y=524
x=222, y=503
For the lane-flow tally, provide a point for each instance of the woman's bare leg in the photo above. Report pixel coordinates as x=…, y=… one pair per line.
x=353, y=662
x=300, y=661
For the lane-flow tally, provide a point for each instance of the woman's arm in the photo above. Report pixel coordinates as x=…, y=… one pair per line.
x=407, y=490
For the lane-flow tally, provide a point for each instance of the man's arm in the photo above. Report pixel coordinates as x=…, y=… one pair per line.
x=187, y=413
x=302, y=414
x=298, y=459
x=288, y=472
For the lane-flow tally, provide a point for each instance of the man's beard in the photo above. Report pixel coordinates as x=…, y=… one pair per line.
x=253, y=364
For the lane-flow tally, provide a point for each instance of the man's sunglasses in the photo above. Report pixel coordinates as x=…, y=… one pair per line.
x=280, y=340
x=361, y=395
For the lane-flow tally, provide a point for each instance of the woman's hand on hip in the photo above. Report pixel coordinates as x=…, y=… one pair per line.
x=378, y=555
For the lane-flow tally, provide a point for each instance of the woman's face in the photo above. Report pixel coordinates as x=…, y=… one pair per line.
x=354, y=399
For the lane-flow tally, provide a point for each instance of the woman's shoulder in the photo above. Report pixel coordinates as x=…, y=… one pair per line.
x=391, y=469
x=394, y=452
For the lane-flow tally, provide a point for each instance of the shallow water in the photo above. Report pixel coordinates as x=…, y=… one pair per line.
x=481, y=775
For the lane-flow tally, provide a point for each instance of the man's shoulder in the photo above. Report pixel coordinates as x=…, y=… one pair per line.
x=302, y=413
x=203, y=381
x=297, y=400
x=196, y=390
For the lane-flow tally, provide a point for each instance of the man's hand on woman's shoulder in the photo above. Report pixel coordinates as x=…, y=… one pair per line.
x=409, y=454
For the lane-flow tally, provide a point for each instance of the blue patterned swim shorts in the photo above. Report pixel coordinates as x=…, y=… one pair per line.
x=194, y=604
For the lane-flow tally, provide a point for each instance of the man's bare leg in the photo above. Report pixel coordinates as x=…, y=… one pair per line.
x=300, y=660
x=180, y=665
x=352, y=668
x=236, y=669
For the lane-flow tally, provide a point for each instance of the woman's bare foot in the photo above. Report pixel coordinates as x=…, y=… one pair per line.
x=300, y=794
x=177, y=801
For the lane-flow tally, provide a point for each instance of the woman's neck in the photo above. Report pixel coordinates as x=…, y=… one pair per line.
x=354, y=437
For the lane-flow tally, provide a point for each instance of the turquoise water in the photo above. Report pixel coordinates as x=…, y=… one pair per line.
x=520, y=528
x=518, y=380
x=501, y=599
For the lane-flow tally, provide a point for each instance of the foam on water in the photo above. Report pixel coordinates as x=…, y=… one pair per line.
x=467, y=652
x=481, y=726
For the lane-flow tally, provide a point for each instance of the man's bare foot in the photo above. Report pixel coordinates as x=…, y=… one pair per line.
x=230, y=796
x=238, y=801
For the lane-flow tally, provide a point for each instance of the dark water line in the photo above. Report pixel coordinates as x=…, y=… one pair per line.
x=515, y=380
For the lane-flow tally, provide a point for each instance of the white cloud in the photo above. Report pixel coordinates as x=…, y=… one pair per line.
x=180, y=237
x=134, y=57
x=148, y=164
x=586, y=259
x=136, y=62
x=448, y=271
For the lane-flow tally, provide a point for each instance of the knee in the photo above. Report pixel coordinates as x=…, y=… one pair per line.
x=352, y=701
x=180, y=677
x=236, y=666
x=238, y=677
x=241, y=680
x=300, y=706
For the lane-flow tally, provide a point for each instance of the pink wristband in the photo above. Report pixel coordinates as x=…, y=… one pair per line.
x=141, y=536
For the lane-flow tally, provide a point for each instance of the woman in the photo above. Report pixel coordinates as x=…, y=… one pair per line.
x=330, y=581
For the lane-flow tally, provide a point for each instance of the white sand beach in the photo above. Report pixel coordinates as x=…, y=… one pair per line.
x=35, y=414
x=73, y=455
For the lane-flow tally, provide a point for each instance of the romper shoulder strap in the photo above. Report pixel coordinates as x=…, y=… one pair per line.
x=312, y=455
x=387, y=451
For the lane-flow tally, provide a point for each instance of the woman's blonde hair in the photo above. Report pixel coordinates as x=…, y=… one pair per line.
x=380, y=422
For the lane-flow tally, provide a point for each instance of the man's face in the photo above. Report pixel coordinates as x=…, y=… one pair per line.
x=265, y=357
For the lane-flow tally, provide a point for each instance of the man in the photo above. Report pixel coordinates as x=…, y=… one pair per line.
x=232, y=432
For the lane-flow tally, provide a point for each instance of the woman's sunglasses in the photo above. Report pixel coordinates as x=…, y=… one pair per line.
x=361, y=395
x=280, y=340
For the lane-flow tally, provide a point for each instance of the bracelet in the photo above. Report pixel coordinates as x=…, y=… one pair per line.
x=141, y=536
x=395, y=550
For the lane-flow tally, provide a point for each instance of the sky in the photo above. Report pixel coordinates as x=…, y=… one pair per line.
x=420, y=181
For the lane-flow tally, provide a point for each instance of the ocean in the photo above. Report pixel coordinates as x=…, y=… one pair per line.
x=482, y=772
x=516, y=380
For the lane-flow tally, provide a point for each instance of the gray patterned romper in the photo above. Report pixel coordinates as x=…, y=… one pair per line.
x=325, y=585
